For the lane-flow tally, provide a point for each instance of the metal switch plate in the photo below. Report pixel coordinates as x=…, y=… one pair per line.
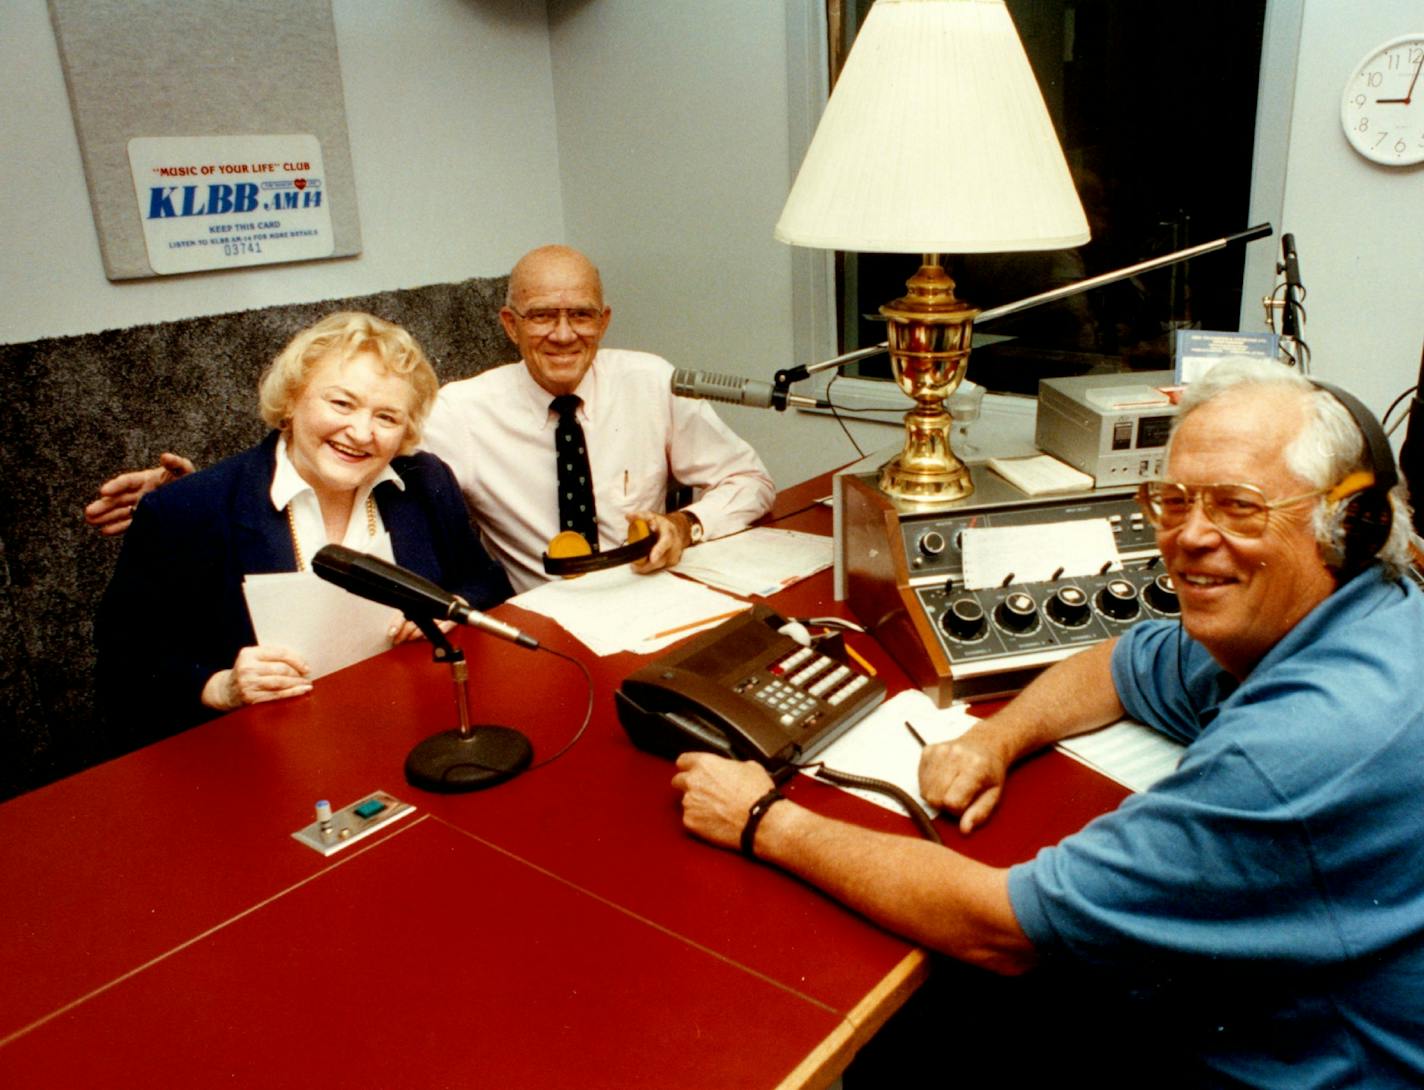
x=354, y=822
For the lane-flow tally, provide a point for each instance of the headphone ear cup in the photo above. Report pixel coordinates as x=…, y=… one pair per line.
x=1365, y=520
x=1364, y=517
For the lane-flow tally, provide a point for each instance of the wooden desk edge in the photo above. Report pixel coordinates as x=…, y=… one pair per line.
x=825, y=1063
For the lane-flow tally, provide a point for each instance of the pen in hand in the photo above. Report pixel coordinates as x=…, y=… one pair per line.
x=915, y=734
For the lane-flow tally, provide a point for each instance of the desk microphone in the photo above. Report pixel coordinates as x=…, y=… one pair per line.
x=470, y=757
x=735, y=390
x=379, y=580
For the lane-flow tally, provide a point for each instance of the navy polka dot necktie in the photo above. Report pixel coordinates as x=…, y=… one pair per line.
x=576, y=510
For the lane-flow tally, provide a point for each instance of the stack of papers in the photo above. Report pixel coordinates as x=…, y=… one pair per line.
x=620, y=610
x=759, y=561
x=328, y=626
x=1040, y=474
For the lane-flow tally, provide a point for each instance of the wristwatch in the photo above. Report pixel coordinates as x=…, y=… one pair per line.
x=694, y=527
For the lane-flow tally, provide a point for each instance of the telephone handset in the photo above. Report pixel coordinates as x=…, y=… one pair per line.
x=744, y=690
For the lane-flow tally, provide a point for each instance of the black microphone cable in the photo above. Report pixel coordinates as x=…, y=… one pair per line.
x=587, y=712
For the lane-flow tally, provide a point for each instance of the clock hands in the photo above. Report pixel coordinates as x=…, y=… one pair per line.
x=1409, y=94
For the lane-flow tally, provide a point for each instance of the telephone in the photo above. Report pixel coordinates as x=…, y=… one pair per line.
x=745, y=690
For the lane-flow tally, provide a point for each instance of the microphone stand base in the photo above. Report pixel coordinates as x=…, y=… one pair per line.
x=450, y=764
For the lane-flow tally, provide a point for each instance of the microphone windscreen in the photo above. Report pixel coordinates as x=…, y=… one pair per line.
x=381, y=581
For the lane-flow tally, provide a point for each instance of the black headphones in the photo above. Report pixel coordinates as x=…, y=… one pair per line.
x=569, y=554
x=1360, y=504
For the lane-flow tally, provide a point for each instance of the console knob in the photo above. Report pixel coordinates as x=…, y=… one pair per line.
x=1016, y=613
x=1069, y=606
x=1162, y=595
x=964, y=619
x=1118, y=599
x=931, y=543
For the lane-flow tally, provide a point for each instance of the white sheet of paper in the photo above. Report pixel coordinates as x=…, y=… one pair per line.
x=620, y=610
x=1033, y=553
x=330, y=627
x=881, y=747
x=1134, y=755
x=759, y=561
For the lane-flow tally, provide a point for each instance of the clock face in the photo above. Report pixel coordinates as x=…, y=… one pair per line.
x=1382, y=110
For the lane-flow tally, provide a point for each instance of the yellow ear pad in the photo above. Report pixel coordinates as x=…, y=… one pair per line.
x=569, y=543
x=566, y=545
x=1354, y=482
x=637, y=530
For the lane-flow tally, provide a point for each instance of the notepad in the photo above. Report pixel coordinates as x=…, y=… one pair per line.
x=1041, y=474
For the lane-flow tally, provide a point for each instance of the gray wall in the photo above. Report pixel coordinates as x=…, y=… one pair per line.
x=661, y=136
x=1359, y=227
x=451, y=116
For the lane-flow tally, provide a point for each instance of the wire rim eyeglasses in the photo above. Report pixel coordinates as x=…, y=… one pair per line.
x=582, y=320
x=1238, y=509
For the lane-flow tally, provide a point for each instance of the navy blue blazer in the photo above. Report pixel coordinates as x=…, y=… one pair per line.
x=174, y=613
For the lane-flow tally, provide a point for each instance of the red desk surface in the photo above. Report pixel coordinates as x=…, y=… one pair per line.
x=430, y=959
x=182, y=853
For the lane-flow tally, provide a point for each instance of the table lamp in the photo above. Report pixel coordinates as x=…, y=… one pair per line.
x=935, y=141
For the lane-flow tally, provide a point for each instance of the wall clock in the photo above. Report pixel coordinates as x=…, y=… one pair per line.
x=1382, y=109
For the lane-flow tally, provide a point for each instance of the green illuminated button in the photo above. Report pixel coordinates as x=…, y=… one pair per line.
x=369, y=809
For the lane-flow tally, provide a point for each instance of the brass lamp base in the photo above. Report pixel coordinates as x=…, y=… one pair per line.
x=929, y=335
x=927, y=470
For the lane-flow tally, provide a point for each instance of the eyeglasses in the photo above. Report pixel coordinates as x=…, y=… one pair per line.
x=582, y=320
x=1238, y=509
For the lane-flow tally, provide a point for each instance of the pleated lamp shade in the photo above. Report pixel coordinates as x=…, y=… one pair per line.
x=935, y=140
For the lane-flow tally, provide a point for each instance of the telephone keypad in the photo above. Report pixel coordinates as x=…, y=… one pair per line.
x=812, y=677
x=792, y=703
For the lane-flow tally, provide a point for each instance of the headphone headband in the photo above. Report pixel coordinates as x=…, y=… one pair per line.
x=569, y=554
x=1386, y=475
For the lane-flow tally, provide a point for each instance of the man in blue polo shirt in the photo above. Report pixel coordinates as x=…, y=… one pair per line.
x=1269, y=895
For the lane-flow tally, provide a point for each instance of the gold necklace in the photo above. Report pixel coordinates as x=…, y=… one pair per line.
x=292, y=527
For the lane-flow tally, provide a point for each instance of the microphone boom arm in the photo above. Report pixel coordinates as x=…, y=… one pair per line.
x=785, y=378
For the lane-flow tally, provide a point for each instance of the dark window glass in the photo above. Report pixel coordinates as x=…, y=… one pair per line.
x=1155, y=105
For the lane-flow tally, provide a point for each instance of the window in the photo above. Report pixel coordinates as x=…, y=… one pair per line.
x=1155, y=105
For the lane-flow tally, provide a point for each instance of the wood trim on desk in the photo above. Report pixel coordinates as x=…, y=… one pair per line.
x=880, y=595
x=824, y=1064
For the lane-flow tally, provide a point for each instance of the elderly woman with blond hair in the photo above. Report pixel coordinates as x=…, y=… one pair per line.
x=346, y=399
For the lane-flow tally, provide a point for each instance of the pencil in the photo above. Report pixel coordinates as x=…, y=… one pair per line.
x=695, y=624
x=851, y=651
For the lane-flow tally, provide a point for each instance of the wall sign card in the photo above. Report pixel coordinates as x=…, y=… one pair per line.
x=195, y=75
x=219, y=202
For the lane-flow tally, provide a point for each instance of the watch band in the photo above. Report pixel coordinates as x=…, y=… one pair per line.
x=754, y=816
x=695, y=532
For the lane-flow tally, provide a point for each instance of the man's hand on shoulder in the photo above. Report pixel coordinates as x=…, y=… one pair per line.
x=112, y=512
